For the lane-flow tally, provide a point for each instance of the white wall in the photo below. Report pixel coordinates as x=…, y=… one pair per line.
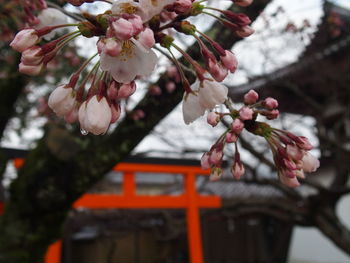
x=309, y=245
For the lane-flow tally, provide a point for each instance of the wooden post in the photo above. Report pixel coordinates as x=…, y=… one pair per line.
x=53, y=254
x=193, y=221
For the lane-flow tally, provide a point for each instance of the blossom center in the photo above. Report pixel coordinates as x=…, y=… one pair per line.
x=128, y=8
x=127, y=50
x=154, y=2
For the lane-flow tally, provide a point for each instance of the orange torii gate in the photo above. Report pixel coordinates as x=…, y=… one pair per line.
x=190, y=200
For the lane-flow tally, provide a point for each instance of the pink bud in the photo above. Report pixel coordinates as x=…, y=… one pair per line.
x=290, y=182
x=146, y=38
x=24, y=39
x=251, y=97
x=62, y=100
x=72, y=116
x=304, y=143
x=290, y=165
x=271, y=115
x=182, y=6
x=126, y=90
x=229, y=61
x=213, y=118
x=237, y=126
x=270, y=103
x=137, y=24
x=116, y=111
x=112, y=47
x=216, y=174
x=237, y=170
x=245, y=31
x=30, y=70
x=155, y=90
x=123, y=29
x=170, y=86
x=205, y=161
x=217, y=71
x=216, y=157
x=294, y=152
x=112, y=91
x=32, y=56
x=310, y=163
x=243, y=2
x=246, y=113
x=231, y=137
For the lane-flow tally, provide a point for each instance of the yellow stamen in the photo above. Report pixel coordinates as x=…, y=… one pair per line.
x=128, y=8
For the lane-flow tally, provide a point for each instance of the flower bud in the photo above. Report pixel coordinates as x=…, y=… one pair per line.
x=229, y=61
x=237, y=170
x=310, y=163
x=146, y=38
x=270, y=103
x=205, y=161
x=245, y=31
x=251, y=97
x=123, y=29
x=126, y=90
x=213, y=118
x=231, y=137
x=116, y=111
x=29, y=69
x=62, y=100
x=246, y=113
x=24, y=39
x=237, y=126
x=32, y=56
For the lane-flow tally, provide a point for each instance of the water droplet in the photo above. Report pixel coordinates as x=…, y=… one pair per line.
x=83, y=132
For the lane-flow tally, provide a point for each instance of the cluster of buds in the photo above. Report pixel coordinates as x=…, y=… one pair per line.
x=290, y=152
x=127, y=34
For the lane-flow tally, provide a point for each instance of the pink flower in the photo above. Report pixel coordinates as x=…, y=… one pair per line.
x=72, y=116
x=95, y=115
x=270, y=103
x=24, y=39
x=150, y=8
x=210, y=92
x=62, y=100
x=229, y=61
x=246, y=113
x=237, y=126
x=310, y=163
x=191, y=108
x=213, y=118
x=134, y=60
x=251, y=97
